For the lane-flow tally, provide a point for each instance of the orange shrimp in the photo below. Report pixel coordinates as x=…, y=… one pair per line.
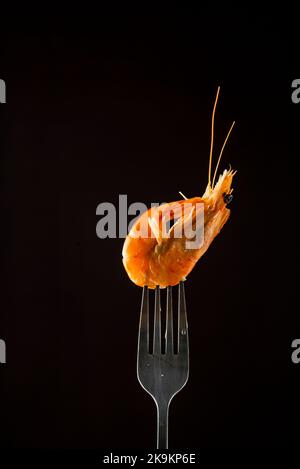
x=155, y=256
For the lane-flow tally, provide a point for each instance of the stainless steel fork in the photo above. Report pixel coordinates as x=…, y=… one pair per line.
x=163, y=372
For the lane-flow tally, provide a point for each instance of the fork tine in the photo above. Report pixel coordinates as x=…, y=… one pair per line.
x=169, y=323
x=143, y=341
x=157, y=323
x=182, y=320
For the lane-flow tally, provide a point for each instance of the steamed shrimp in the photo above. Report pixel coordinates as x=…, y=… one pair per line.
x=155, y=256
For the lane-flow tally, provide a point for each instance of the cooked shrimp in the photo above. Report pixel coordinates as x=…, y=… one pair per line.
x=153, y=254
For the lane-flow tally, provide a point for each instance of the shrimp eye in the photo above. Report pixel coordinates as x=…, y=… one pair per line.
x=227, y=198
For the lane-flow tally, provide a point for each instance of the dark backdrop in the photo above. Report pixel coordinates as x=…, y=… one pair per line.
x=121, y=104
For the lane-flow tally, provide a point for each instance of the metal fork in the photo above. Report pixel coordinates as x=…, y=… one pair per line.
x=163, y=375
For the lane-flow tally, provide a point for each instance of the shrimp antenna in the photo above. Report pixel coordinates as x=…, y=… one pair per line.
x=221, y=152
x=182, y=195
x=212, y=136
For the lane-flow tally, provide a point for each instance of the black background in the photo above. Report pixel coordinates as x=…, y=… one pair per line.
x=121, y=104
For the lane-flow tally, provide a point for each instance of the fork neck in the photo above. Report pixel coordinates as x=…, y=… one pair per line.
x=162, y=426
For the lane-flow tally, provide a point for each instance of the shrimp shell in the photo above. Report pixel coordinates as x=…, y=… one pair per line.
x=156, y=256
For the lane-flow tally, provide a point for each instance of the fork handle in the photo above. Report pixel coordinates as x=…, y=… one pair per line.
x=162, y=426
